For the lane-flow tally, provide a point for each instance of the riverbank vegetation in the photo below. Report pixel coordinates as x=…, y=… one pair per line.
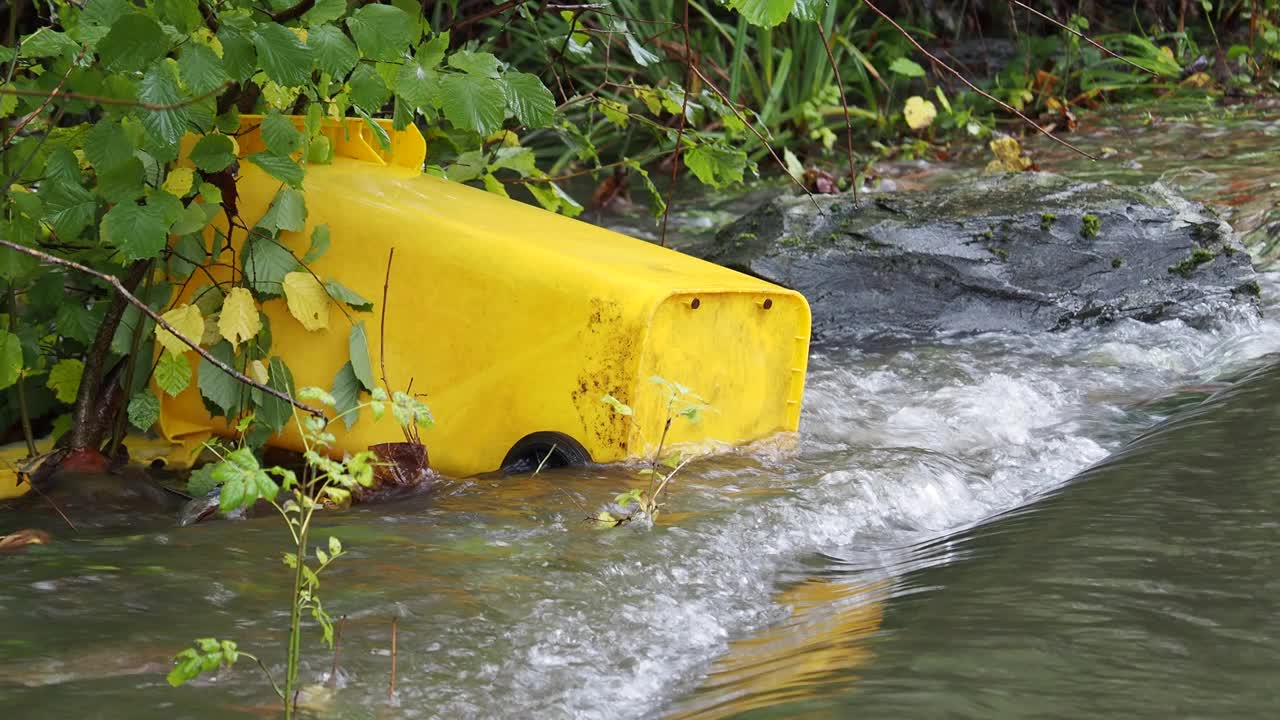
x=104, y=205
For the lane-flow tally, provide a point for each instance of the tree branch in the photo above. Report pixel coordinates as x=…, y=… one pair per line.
x=119, y=287
x=971, y=86
x=294, y=12
x=111, y=101
x=848, y=122
x=35, y=113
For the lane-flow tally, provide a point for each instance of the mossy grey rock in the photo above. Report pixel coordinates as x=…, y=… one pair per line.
x=1019, y=253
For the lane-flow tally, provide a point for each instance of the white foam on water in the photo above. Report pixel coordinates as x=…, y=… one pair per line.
x=897, y=447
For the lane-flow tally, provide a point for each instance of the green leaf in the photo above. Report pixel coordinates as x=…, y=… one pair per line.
x=342, y=293
x=76, y=322
x=239, y=58
x=280, y=134
x=529, y=100
x=144, y=410
x=273, y=412
x=617, y=405
x=416, y=85
x=716, y=166
x=63, y=166
x=431, y=53
x=475, y=63
x=319, y=244
x=382, y=32
x=106, y=145
x=69, y=208
x=472, y=102
x=189, y=251
x=334, y=53
x=639, y=53
x=763, y=13
x=173, y=373
x=906, y=67
x=217, y=386
x=11, y=360
x=325, y=11
x=64, y=380
x=243, y=481
x=213, y=153
x=808, y=10
x=193, y=219
x=159, y=87
x=288, y=212
x=201, y=68
x=280, y=167
x=520, y=159
x=368, y=91
x=122, y=183
x=201, y=481
x=384, y=140
x=139, y=231
x=48, y=43
x=266, y=262
x=361, y=365
x=283, y=56
x=346, y=394
x=134, y=41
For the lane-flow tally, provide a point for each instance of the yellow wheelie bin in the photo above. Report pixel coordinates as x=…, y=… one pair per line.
x=512, y=322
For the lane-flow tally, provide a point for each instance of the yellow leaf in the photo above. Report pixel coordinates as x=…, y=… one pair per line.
x=64, y=379
x=1009, y=157
x=1199, y=81
x=308, y=301
x=919, y=112
x=187, y=320
x=258, y=372
x=239, y=320
x=205, y=37
x=179, y=182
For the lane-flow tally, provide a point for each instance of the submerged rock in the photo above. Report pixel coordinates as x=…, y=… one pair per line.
x=1019, y=253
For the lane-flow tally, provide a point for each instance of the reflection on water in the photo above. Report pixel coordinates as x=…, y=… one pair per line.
x=821, y=576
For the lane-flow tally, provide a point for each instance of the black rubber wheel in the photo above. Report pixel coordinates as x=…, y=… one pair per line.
x=557, y=449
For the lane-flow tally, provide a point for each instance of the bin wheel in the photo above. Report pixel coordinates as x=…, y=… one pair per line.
x=559, y=450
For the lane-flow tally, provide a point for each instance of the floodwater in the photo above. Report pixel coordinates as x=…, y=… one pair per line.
x=1070, y=524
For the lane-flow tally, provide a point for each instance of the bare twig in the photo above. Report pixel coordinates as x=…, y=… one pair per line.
x=545, y=458
x=1086, y=38
x=684, y=119
x=337, y=648
x=20, y=386
x=53, y=505
x=109, y=100
x=484, y=15
x=119, y=287
x=844, y=102
x=971, y=86
x=391, y=692
x=382, y=327
x=36, y=113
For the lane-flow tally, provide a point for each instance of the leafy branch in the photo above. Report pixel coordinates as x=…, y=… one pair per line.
x=119, y=287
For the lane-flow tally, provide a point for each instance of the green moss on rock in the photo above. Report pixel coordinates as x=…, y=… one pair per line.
x=1090, y=225
x=1197, y=258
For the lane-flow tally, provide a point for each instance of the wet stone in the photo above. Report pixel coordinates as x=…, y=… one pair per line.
x=1020, y=253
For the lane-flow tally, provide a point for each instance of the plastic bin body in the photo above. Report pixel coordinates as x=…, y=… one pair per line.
x=511, y=320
